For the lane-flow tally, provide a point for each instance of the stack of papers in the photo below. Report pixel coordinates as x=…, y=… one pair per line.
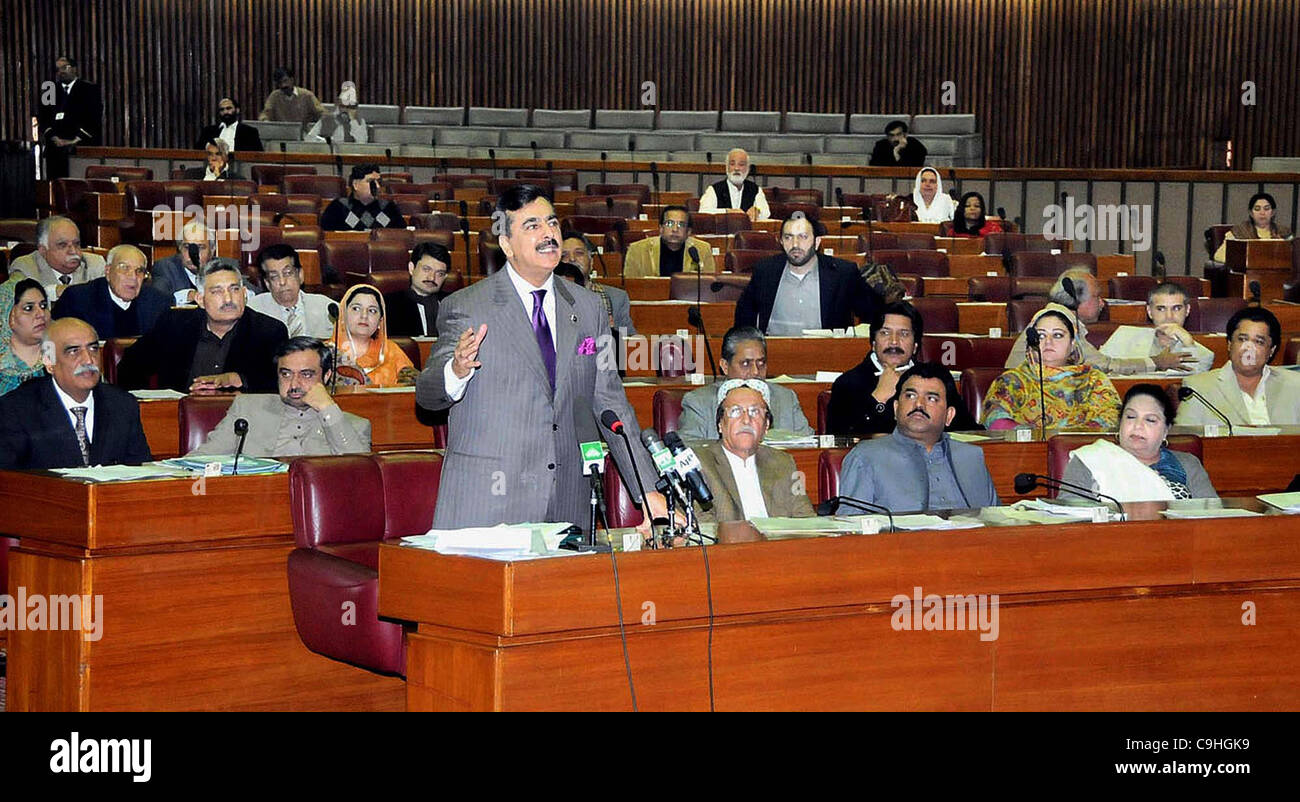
x=157, y=395
x=789, y=527
x=1209, y=512
x=248, y=466
x=1287, y=502
x=122, y=473
x=784, y=438
x=503, y=543
x=410, y=388
x=924, y=521
x=1041, y=511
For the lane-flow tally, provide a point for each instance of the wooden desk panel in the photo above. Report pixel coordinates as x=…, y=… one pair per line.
x=1090, y=616
x=667, y=318
x=196, y=612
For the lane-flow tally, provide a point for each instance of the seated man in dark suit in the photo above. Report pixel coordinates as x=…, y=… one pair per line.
x=238, y=135
x=69, y=419
x=897, y=149
x=220, y=167
x=804, y=289
x=220, y=346
x=177, y=276
x=120, y=304
x=748, y=479
x=362, y=209
x=413, y=312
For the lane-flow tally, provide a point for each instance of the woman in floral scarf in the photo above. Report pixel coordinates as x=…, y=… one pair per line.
x=1077, y=395
x=361, y=337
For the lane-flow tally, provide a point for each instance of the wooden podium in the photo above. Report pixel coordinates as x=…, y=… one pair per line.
x=1144, y=615
x=195, y=597
x=1268, y=261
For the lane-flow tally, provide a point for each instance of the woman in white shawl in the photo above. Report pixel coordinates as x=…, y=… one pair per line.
x=933, y=205
x=1141, y=467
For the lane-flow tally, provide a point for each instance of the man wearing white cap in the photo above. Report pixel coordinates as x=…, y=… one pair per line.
x=345, y=124
x=748, y=479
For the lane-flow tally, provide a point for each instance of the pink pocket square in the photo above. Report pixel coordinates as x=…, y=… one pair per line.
x=587, y=347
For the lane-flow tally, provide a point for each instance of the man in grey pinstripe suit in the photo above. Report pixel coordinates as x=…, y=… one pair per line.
x=517, y=364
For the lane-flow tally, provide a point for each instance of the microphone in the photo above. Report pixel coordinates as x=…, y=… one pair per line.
x=708, y=156
x=532, y=143
x=604, y=157
x=1185, y=392
x=610, y=420
x=333, y=311
x=839, y=196
x=664, y=462
x=388, y=155
x=492, y=154
x=338, y=163
x=1067, y=284
x=654, y=179
x=830, y=505
x=593, y=466
x=687, y=465
x=1035, y=341
x=464, y=232
x=1255, y=293
x=241, y=430
x=1158, y=270
x=1002, y=213
x=695, y=315
x=1028, y=481
x=609, y=204
x=464, y=209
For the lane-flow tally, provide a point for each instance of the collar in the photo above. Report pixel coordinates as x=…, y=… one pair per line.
x=121, y=304
x=69, y=402
x=881, y=368
x=738, y=463
x=1232, y=374
x=300, y=306
x=525, y=289
x=812, y=271
x=68, y=86
x=900, y=438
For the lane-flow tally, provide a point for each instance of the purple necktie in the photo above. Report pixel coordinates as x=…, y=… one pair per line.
x=543, y=331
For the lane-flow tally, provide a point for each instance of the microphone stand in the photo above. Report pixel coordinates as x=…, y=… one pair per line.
x=1078, y=490
x=597, y=480
x=1035, y=341
x=865, y=506
x=695, y=316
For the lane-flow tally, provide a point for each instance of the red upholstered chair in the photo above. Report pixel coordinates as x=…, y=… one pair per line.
x=912, y=285
x=1072, y=260
x=120, y=172
x=12, y=229
x=809, y=196
x=672, y=358
x=824, y=412
x=618, y=241
x=682, y=287
x=270, y=175
x=929, y=263
x=1036, y=263
x=111, y=354
x=1060, y=446
x=394, y=178
x=974, y=386
x=496, y=186
x=666, y=409
x=343, y=508
x=235, y=186
x=286, y=204
x=1020, y=312
x=345, y=256
x=1004, y=243
x=1211, y=315
x=384, y=281
x=303, y=238
x=69, y=198
x=757, y=241
x=988, y=288
x=900, y=209
x=1099, y=332
x=954, y=353
x=621, y=509
x=624, y=206
x=491, y=257
x=938, y=314
x=742, y=262
x=198, y=416
x=721, y=223
x=475, y=180
x=560, y=179
x=1291, y=356
x=388, y=255
x=435, y=221
x=899, y=261
x=409, y=346
x=783, y=211
x=433, y=190
x=326, y=187
x=592, y=226
x=991, y=352
x=409, y=204
x=1135, y=288
x=640, y=190
x=486, y=205
x=829, y=462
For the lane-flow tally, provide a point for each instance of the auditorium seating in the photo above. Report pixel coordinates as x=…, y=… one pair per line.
x=1135, y=288
x=672, y=358
x=999, y=289
x=666, y=409
x=757, y=241
x=1029, y=263
x=1060, y=446
x=627, y=207
x=888, y=240
x=325, y=187
x=1211, y=315
x=829, y=462
x=974, y=385
x=919, y=263
x=711, y=288
x=742, y=262
x=122, y=173
x=938, y=314
x=199, y=416
x=343, y=508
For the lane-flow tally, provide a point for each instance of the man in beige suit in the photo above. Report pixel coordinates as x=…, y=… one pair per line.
x=1246, y=390
x=668, y=253
x=748, y=479
x=58, y=261
x=303, y=420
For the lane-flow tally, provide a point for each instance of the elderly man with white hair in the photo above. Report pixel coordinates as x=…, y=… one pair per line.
x=120, y=304
x=220, y=163
x=748, y=479
x=736, y=191
x=69, y=418
x=177, y=276
x=58, y=261
x=345, y=124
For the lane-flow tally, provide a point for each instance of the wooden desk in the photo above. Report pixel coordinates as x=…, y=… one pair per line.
x=666, y=317
x=195, y=593
x=1124, y=616
x=1268, y=262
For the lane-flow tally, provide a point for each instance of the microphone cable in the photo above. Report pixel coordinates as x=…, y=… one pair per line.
x=622, y=629
x=708, y=589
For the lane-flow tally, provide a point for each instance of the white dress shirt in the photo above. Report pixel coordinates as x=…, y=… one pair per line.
x=312, y=309
x=745, y=472
x=456, y=385
x=69, y=403
x=121, y=304
x=227, y=133
x=1257, y=404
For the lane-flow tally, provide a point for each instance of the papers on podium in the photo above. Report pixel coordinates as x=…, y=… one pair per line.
x=507, y=543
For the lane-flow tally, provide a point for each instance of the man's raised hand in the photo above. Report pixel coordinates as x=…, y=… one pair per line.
x=465, y=360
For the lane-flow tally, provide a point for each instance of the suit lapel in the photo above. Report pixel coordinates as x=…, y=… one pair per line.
x=518, y=329
x=1231, y=392
x=654, y=257
x=103, y=426
x=826, y=290
x=54, y=419
x=566, y=333
x=729, y=489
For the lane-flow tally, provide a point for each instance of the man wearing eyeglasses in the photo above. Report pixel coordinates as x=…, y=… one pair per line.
x=668, y=253
x=302, y=313
x=70, y=419
x=748, y=479
x=413, y=312
x=119, y=304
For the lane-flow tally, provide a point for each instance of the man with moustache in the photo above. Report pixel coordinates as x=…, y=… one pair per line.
x=177, y=276
x=804, y=289
x=748, y=479
x=516, y=364
x=58, y=261
x=413, y=312
x=918, y=467
x=736, y=191
x=219, y=347
x=120, y=304
x=70, y=419
x=670, y=252
x=290, y=103
x=861, y=397
x=578, y=250
x=1246, y=389
x=300, y=312
x=302, y=420
x=238, y=136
